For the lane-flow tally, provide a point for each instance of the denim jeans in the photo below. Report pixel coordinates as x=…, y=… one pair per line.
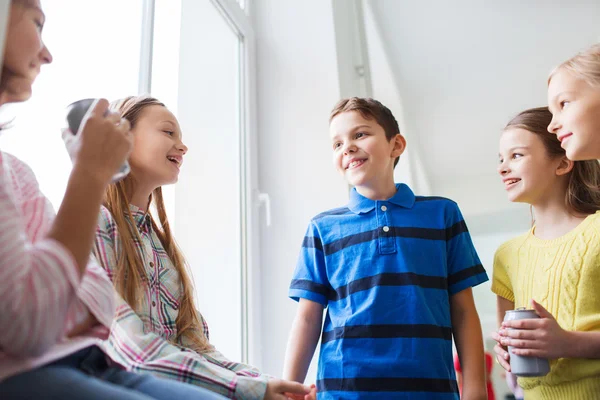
x=86, y=375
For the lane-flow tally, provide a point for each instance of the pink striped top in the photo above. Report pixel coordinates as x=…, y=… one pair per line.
x=42, y=295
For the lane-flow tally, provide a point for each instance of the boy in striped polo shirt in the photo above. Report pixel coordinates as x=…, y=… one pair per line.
x=394, y=272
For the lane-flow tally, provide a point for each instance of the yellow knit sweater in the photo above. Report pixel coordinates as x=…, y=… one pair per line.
x=563, y=275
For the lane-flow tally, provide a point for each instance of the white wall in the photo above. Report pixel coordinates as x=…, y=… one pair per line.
x=297, y=87
x=485, y=300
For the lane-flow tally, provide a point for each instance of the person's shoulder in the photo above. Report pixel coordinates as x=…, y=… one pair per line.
x=438, y=200
x=17, y=167
x=441, y=211
x=332, y=214
x=596, y=221
x=430, y=203
x=511, y=245
x=106, y=222
x=22, y=178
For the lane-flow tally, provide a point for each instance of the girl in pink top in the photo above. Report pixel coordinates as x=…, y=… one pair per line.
x=56, y=305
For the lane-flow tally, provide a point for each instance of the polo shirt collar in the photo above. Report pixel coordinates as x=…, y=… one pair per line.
x=359, y=204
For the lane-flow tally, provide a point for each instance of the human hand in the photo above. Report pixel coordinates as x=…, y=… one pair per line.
x=311, y=396
x=539, y=337
x=83, y=327
x=279, y=389
x=104, y=142
x=502, y=355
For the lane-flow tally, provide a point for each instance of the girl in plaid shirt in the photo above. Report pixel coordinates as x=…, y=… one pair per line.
x=57, y=305
x=158, y=329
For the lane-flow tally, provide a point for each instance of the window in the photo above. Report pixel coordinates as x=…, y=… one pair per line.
x=209, y=198
x=200, y=59
x=89, y=61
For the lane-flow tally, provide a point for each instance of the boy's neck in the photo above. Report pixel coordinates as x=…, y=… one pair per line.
x=383, y=191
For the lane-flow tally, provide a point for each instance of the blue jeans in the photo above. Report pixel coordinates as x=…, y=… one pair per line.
x=86, y=375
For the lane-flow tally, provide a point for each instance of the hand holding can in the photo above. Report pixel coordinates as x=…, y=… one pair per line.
x=95, y=133
x=524, y=366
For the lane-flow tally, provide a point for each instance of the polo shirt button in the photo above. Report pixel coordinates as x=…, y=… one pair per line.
x=153, y=303
x=386, y=228
x=151, y=264
x=383, y=208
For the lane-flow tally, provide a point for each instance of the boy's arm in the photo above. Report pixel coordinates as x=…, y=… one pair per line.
x=469, y=344
x=303, y=340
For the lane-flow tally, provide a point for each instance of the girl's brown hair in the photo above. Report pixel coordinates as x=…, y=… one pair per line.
x=130, y=275
x=583, y=190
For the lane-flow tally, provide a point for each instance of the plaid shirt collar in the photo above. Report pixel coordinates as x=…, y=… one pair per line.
x=142, y=219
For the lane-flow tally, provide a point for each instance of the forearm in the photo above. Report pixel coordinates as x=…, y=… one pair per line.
x=76, y=221
x=95, y=303
x=583, y=345
x=469, y=344
x=301, y=346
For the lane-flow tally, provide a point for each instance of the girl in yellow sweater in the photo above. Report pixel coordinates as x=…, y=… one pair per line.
x=555, y=267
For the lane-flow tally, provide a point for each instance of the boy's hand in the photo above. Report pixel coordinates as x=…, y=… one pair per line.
x=278, y=389
x=502, y=355
x=540, y=337
x=481, y=396
x=311, y=396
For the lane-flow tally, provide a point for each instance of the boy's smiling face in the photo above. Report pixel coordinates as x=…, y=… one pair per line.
x=362, y=153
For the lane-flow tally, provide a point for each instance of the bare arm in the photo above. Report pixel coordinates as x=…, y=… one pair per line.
x=77, y=216
x=469, y=344
x=585, y=345
x=303, y=340
x=104, y=147
x=502, y=356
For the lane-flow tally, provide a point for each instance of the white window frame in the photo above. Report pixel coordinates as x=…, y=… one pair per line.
x=241, y=24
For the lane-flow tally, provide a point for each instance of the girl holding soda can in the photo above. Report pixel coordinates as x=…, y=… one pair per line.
x=557, y=263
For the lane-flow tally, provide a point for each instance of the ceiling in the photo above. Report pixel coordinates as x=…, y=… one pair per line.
x=463, y=68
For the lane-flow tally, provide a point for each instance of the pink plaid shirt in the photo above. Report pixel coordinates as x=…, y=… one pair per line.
x=42, y=295
x=145, y=342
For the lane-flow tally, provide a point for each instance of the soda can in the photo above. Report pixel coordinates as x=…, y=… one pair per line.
x=521, y=365
x=75, y=113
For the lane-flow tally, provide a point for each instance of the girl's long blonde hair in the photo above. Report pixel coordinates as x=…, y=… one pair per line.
x=130, y=275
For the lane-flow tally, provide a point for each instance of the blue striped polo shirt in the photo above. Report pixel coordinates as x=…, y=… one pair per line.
x=385, y=271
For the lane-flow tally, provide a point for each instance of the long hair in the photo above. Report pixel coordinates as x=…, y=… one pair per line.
x=130, y=275
x=583, y=189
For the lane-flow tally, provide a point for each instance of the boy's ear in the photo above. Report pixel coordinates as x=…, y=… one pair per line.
x=399, y=145
x=565, y=166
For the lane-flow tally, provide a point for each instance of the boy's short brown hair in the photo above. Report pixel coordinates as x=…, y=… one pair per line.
x=369, y=109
